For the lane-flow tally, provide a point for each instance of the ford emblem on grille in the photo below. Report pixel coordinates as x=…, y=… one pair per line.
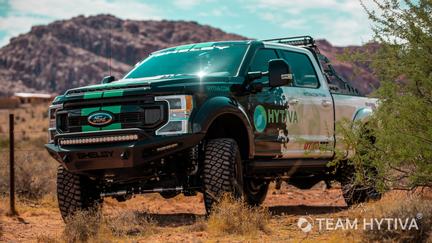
x=100, y=119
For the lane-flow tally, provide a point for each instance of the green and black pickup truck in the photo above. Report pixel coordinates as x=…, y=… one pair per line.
x=214, y=118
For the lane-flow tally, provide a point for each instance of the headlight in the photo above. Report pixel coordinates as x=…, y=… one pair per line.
x=180, y=108
x=52, y=121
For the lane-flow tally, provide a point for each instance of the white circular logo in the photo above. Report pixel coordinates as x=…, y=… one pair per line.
x=304, y=224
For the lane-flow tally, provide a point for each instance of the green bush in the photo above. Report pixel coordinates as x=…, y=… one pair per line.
x=401, y=126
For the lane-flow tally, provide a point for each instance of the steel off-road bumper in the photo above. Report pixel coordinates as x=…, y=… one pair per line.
x=115, y=155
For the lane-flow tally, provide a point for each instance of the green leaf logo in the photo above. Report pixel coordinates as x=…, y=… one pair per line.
x=260, y=118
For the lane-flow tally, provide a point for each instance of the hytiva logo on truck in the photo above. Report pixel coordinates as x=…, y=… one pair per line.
x=264, y=117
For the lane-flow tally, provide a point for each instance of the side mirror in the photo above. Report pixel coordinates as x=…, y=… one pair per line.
x=279, y=73
x=108, y=79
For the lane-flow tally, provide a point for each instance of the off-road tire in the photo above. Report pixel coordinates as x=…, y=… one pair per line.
x=355, y=193
x=255, y=191
x=222, y=171
x=75, y=192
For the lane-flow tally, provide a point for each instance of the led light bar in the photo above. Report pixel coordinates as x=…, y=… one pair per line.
x=93, y=140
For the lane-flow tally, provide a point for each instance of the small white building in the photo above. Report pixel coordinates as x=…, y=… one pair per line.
x=33, y=98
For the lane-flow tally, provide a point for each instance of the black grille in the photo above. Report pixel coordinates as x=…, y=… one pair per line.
x=147, y=116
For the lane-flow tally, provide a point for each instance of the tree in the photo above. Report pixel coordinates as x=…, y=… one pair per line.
x=401, y=150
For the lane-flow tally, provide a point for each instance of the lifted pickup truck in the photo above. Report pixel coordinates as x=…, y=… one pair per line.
x=217, y=117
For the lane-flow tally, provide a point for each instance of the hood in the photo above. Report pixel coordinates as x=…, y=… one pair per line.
x=154, y=85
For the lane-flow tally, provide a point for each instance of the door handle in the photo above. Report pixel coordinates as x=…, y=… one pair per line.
x=326, y=103
x=293, y=101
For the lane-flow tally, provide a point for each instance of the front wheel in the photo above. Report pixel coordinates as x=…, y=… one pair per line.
x=75, y=192
x=222, y=171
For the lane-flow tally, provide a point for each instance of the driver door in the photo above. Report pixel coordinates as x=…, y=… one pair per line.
x=270, y=112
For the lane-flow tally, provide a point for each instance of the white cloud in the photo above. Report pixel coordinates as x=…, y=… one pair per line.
x=345, y=31
x=283, y=21
x=23, y=13
x=66, y=9
x=342, y=22
x=14, y=25
x=218, y=12
x=186, y=4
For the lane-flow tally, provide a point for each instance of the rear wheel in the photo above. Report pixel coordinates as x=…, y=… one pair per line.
x=75, y=192
x=356, y=192
x=222, y=171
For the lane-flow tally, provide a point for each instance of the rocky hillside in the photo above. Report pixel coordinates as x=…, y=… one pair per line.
x=359, y=75
x=64, y=54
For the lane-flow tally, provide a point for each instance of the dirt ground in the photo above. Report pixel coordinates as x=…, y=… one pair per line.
x=175, y=217
x=179, y=219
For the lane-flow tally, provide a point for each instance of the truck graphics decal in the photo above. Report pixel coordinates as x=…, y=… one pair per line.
x=277, y=115
x=281, y=116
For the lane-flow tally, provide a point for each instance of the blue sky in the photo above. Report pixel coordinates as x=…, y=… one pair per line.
x=342, y=22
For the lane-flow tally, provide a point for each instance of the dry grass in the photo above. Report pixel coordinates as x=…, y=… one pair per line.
x=418, y=209
x=82, y=226
x=232, y=216
x=199, y=226
x=130, y=223
x=47, y=239
x=91, y=226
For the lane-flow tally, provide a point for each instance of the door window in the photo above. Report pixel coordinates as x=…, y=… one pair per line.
x=261, y=59
x=303, y=71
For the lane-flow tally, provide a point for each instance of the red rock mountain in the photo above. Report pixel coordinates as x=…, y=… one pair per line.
x=64, y=54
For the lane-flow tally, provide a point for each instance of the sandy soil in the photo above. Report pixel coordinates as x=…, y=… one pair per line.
x=175, y=217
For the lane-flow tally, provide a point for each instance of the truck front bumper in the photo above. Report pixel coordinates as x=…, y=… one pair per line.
x=116, y=155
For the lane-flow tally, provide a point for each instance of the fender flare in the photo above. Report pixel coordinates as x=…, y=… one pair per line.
x=213, y=108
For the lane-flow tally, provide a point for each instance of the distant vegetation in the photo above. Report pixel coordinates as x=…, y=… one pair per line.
x=35, y=170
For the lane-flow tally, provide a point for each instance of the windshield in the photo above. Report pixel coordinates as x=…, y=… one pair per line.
x=216, y=59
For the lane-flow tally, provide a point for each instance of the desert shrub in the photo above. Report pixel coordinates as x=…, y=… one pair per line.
x=418, y=209
x=232, y=216
x=35, y=174
x=82, y=226
x=92, y=226
x=130, y=223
